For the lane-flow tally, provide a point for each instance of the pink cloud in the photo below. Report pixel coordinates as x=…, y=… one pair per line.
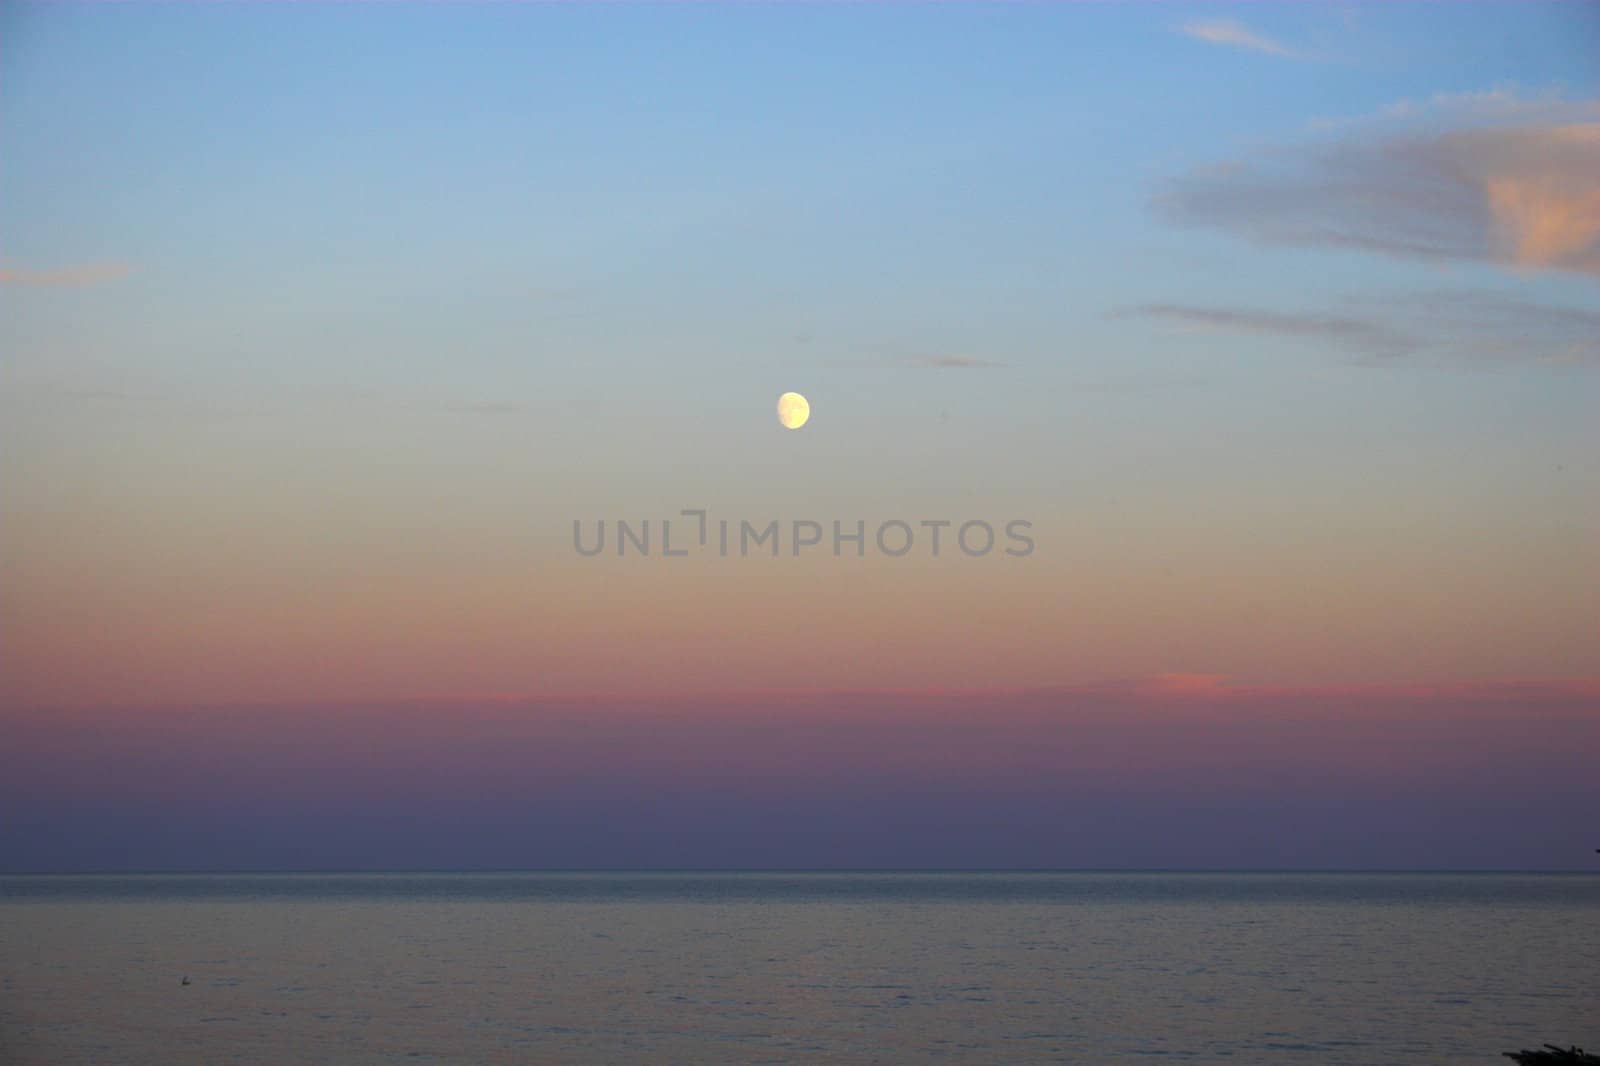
x=1488, y=177
x=1232, y=34
x=1187, y=685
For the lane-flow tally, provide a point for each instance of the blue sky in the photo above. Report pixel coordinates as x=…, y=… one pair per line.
x=720, y=179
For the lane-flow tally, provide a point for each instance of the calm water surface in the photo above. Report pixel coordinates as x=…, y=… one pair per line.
x=796, y=968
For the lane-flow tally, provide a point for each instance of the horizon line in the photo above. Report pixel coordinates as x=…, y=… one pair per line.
x=791, y=870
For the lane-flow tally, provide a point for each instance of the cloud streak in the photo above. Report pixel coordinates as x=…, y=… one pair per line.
x=485, y=407
x=950, y=362
x=71, y=277
x=923, y=362
x=1449, y=326
x=1368, y=337
x=1233, y=35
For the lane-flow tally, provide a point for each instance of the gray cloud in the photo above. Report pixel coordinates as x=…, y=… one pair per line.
x=1372, y=339
x=1490, y=328
x=921, y=362
x=485, y=407
x=949, y=362
x=260, y=399
x=1139, y=386
x=1488, y=177
x=1456, y=327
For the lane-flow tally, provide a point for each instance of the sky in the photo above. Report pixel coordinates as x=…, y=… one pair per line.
x=1264, y=339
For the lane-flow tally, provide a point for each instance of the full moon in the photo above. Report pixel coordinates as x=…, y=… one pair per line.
x=793, y=410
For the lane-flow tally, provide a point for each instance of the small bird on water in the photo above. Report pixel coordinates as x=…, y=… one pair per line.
x=185, y=980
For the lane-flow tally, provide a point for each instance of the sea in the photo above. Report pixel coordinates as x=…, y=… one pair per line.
x=827, y=967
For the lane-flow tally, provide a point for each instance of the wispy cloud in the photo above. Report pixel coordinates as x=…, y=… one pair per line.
x=1368, y=337
x=1187, y=685
x=485, y=407
x=1488, y=328
x=1135, y=386
x=1487, y=177
x=166, y=399
x=70, y=277
x=1233, y=35
x=921, y=362
x=1453, y=327
x=950, y=362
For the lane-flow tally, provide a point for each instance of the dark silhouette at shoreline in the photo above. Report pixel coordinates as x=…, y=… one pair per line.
x=1551, y=1055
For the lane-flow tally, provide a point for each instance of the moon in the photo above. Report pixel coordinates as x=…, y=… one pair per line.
x=793, y=410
